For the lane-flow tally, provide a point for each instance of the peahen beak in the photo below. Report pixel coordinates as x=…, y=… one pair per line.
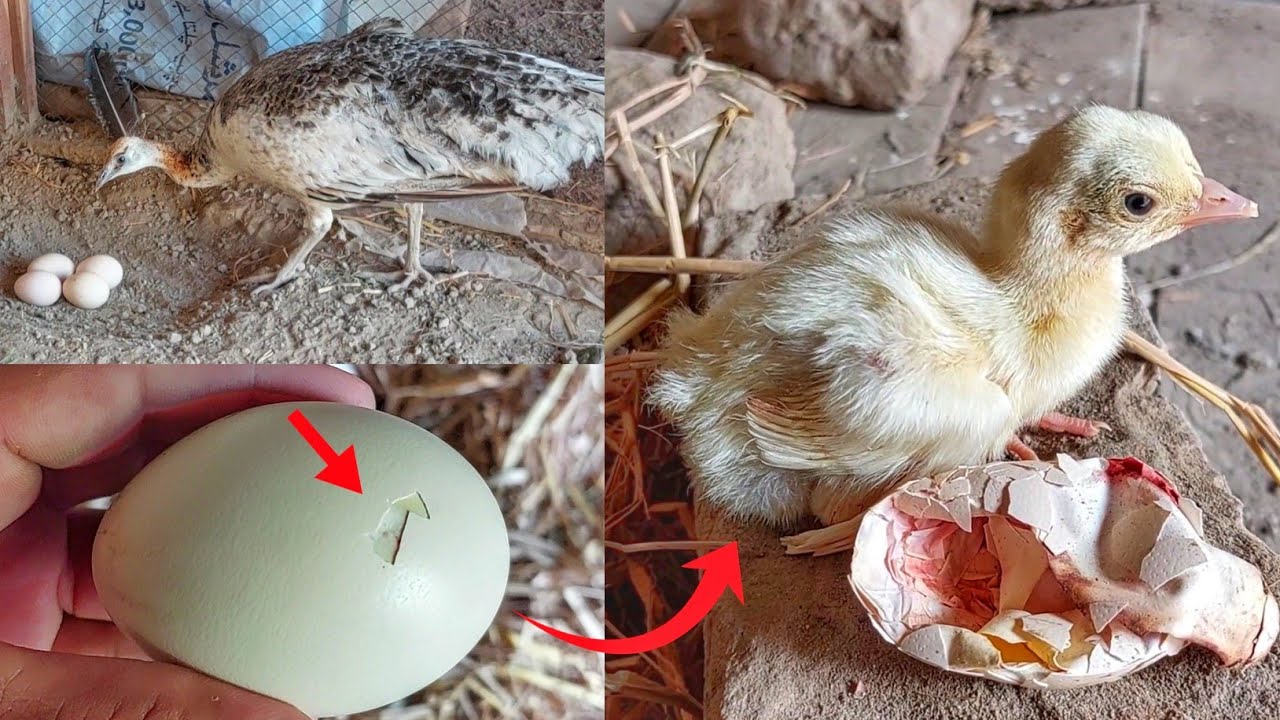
x=105, y=177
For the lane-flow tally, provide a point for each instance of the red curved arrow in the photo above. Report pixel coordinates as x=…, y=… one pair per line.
x=340, y=470
x=721, y=571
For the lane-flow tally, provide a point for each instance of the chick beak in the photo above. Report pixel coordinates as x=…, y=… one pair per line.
x=1218, y=203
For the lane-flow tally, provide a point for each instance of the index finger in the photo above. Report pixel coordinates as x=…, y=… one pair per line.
x=91, y=417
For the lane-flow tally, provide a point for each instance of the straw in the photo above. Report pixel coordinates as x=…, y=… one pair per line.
x=536, y=433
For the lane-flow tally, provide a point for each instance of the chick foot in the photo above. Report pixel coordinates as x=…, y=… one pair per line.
x=1020, y=450
x=1056, y=422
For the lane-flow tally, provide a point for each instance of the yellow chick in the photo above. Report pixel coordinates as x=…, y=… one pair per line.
x=895, y=344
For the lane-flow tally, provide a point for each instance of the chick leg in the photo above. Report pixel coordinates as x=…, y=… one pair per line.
x=319, y=220
x=1020, y=450
x=1056, y=422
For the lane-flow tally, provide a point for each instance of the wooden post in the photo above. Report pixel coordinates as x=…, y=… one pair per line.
x=18, y=102
x=25, y=60
x=8, y=73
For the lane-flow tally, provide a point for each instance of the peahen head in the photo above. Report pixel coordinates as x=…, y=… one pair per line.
x=131, y=154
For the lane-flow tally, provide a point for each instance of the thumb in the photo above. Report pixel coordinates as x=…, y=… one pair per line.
x=38, y=685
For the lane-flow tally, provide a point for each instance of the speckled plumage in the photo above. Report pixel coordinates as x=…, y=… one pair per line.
x=381, y=115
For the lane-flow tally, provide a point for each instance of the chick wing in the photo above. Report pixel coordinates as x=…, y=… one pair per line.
x=862, y=354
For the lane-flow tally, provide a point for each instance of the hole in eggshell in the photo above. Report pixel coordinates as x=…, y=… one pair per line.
x=386, y=537
x=1054, y=575
x=958, y=578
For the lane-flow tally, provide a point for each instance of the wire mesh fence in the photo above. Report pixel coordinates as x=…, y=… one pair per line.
x=179, y=55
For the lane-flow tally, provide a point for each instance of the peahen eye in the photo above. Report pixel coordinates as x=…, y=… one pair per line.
x=1138, y=204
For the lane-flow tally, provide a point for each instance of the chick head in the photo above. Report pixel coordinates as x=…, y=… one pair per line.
x=1117, y=182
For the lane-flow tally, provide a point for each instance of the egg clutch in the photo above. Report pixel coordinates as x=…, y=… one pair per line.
x=53, y=276
x=227, y=555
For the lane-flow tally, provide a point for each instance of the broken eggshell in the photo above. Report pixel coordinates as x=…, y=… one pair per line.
x=1054, y=575
x=227, y=555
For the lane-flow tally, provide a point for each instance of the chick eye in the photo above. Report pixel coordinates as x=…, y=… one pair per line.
x=120, y=160
x=1138, y=204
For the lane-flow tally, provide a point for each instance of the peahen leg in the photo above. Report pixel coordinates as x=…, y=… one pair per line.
x=319, y=220
x=413, y=270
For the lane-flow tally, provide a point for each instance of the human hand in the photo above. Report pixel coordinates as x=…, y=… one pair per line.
x=73, y=433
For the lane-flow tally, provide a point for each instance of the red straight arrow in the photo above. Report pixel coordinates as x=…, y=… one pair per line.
x=340, y=470
x=722, y=571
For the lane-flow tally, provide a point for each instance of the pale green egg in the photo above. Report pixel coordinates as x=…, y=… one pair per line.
x=225, y=554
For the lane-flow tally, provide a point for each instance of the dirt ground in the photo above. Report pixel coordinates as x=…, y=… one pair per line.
x=184, y=250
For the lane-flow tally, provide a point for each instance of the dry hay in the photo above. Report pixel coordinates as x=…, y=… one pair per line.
x=649, y=527
x=535, y=433
x=648, y=516
x=629, y=115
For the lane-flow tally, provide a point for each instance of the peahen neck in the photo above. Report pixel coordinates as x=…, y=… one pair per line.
x=193, y=168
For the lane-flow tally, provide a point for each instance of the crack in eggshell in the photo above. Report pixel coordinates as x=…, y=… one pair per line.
x=1029, y=502
x=1102, y=613
x=1054, y=574
x=1193, y=513
x=391, y=526
x=1172, y=555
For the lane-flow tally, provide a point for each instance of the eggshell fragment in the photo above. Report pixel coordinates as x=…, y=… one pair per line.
x=1065, y=579
x=38, y=288
x=86, y=290
x=227, y=555
x=55, y=263
x=105, y=267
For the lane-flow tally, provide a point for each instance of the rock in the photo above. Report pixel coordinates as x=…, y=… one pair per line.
x=877, y=54
x=642, y=18
x=1065, y=60
x=892, y=149
x=760, y=150
x=1232, y=123
x=801, y=640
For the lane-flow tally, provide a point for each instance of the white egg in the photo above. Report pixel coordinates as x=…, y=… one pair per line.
x=55, y=263
x=86, y=290
x=105, y=267
x=227, y=555
x=38, y=288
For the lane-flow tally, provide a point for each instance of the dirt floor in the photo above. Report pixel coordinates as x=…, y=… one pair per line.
x=184, y=250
